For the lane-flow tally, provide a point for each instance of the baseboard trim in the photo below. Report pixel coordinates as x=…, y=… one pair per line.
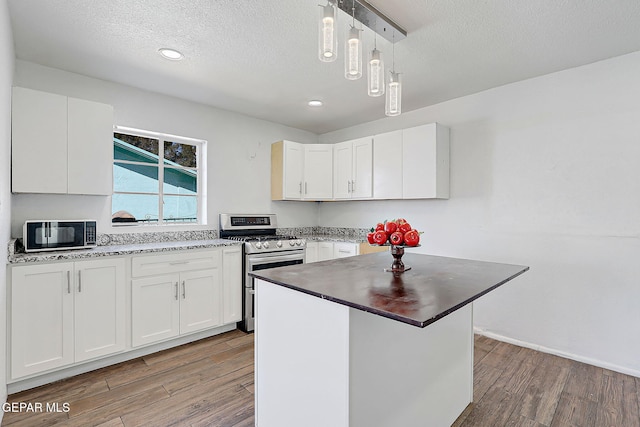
x=555, y=352
x=81, y=368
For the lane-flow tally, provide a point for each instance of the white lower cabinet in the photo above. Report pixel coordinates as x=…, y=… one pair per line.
x=326, y=250
x=169, y=305
x=100, y=308
x=200, y=295
x=65, y=313
x=344, y=249
x=166, y=306
x=155, y=310
x=232, y=284
x=62, y=314
x=311, y=252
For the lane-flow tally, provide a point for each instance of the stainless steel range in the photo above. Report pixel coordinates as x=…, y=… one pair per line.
x=263, y=248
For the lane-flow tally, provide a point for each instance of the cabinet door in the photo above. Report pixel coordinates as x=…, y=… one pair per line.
x=425, y=162
x=311, y=252
x=232, y=284
x=361, y=185
x=318, y=171
x=342, y=170
x=387, y=165
x=201, y=300
x=325, y=251
x=293, y=170
x=90, y=147
x=100, y=322
x=155, y=308
x=41, y=318
x=38, y=142
x=344, y=249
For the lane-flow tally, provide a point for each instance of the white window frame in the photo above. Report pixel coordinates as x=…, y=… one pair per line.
x=201, y=176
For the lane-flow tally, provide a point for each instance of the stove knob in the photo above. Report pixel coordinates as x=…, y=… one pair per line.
x=265, y=245
x=259, y=245
x=279, y=244
x=292, y=242
x=298, y=242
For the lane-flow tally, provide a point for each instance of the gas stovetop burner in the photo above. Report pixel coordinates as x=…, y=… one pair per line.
x=258, y=232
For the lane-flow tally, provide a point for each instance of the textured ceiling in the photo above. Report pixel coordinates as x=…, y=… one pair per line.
x=259, y=57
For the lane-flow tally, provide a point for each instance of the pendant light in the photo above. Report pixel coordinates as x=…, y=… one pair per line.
x=353, y=50
x=393, y=104
x=327, y=40
x=393, y=100
x=375, y=74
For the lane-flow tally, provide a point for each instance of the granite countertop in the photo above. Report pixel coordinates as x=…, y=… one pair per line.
x=433, y=288
x=154, y=241
x=115, y=250
x=332, y=238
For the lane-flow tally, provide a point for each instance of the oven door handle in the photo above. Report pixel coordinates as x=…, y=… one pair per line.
x=277, y=258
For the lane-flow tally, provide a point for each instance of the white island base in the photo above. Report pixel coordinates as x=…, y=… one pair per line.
x=325, y=364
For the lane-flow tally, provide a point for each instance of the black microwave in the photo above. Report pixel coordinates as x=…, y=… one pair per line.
x=48, y=235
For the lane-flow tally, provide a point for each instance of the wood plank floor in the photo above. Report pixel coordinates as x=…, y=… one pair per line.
x=210, y=383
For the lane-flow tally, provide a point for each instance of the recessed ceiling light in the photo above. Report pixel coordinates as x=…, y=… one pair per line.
x=171, y=54
x=315, y=103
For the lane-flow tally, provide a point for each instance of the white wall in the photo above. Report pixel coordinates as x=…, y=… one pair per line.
x=239, y=150
x=545, y=173
x=6, y=76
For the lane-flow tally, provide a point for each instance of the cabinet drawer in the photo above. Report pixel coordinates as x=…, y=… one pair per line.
x=151, y=265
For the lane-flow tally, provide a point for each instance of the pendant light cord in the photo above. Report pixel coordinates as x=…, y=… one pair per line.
x=353, y=14
x=393, y=53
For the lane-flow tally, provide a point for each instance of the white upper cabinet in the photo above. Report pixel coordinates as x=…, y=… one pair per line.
x=301, y=171
x=60, y=145
x=89, y=147
x=408, y=163
x=318, y=172
x=293, y=163
x=412, y=163
x=39, y=142
x=342, y=164
x=425, y=162
x=352, y=169
x=387, y=165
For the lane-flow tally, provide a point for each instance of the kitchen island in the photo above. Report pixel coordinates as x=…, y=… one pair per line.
x=344, y=343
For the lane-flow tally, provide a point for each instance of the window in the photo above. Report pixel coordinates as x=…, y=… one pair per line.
x=157, y=178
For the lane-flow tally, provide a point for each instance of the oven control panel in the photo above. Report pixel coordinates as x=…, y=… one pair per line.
x=274, y=245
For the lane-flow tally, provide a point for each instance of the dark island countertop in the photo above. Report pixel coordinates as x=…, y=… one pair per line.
x=433, y=288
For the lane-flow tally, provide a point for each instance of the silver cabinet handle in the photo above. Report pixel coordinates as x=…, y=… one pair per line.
x=348, y=186
x=305, y=188
x=353, y=185
x=79, y=281
x=184, y=290
x=176, y=291
x=300, y=187
x=68, y=281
